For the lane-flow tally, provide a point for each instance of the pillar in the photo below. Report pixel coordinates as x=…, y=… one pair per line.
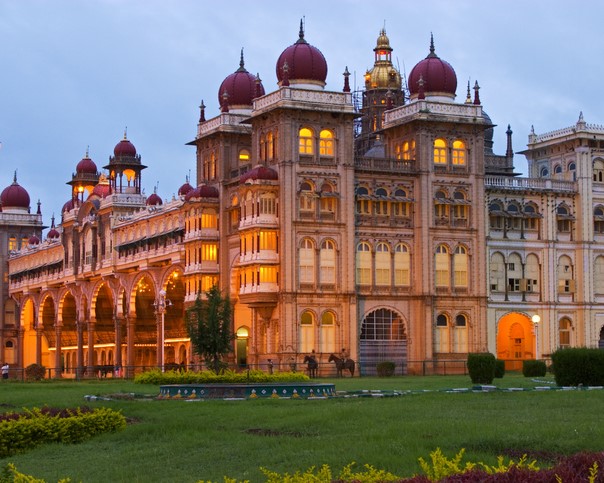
x=80, y=350
x=58, y=361
x=130, y=334
x=91, y=335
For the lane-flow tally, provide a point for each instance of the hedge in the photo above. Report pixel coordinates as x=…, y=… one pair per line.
x=157, y=377
x=533, y=368
x=481, y=367
x=578, y=366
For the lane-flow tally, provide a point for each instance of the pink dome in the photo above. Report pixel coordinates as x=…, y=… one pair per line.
x=259, y=172
x=154, y=199
x=53, y=234
x=241, y=88
x=101, y=190
x=184, y=189
x=202, y=191
x=304, y=63
x=438, y=76
x=70, y=205
x=14, y=196
x=124, y=148
x=86, y=166
x=33, y=240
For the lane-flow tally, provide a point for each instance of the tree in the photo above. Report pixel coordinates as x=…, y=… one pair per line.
x=209, y=327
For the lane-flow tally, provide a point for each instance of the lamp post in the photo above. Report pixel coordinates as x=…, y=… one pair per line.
x=536, y=319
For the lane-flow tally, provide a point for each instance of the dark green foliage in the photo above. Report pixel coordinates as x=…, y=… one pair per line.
x=385, y=368
x=533, y=368
x=157, y=377
x=499, y=368
x=481, y=367
x=35, y=372
x=209, y=326
x=579, y=365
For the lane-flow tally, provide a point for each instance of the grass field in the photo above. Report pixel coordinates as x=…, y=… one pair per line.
x=180, y=441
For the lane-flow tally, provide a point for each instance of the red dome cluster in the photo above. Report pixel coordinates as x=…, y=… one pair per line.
x=301, y=62
x=14, y=196
x=70, y=205
x=437, y=75
x=240, y=88
x=154, y=200
x=124, y=148
x=202, y=191
x=259, y=173
x=53, y=234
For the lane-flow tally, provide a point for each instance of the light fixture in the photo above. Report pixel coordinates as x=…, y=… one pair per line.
x=535, y=319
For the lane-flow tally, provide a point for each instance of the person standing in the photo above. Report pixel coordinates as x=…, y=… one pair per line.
x=5, y=368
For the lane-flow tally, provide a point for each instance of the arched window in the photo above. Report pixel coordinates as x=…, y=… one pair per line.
x=440, y=152
x=460, y=334
x=458, y=154
x=380, y=206
x=363, y=263
x=270, y=146
x=598, y=173
x=442, y=263
x=328, y=201
x=599, y=275
x=326, y=143
x=564, y=219
x=442, y=334
x=599, y=220
x=382, y=264
x=327, y=262
x=514, y=273
x=307, y=331
x=402, y=265
x=557, y=169
x=400, y=205
x=460, y=267
x=531, y=217
x=441, y=208
x=363, y=202
x=532, y=273
x=307, y=199
x=566, y=282
x=409, y=150
x=307, y=262
x=544, y=172
x=306, y=141
x=460, y=208
x=496, y=216
x=565, y=333
x=497, y=273
x=328, y=339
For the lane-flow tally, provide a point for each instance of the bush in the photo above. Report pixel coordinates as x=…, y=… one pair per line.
x=499, y=368
x=35, y=372
x=579, y=365
x=385, y=368
x=481, y=367
x=155, y=376
x=533, y=368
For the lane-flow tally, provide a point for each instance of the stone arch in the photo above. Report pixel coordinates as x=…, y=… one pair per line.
x=383, y=338
x=516, y=340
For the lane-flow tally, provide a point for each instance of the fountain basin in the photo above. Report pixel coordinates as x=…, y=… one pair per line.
x=286, y=390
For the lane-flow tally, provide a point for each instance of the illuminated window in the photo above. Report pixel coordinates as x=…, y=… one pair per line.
x=270, y=146
x=129, y=174
x=565, y=332
x=382, y=264
x=442, y=334
x=442, y=275
x=306, y=141
x=363, y=262
x=440, y=152
x=409, y=150
x=209, y=252
x=306, y=256
x=244, y=156
x=326, y=143
x=207, y=282
x=458, y=155
x=268, y=240
x=12, y=244
x=209, y=219
x=327, y=262
x=398, y=151
x=328, y=342
x=460, y=267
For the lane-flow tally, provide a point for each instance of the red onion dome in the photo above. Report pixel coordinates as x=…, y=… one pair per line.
x=102, y=189
x=240, y=88
x=185, y=188
x=124, y=148
x=14, y=196
x=259, y=173
x=70, y=205
x=154, y=200
x=437, y=75
x=301, y=63
x=86, y=165
x=53, y=234
x=33, y=240
x=202, y=191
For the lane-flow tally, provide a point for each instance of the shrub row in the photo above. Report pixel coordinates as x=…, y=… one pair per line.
x=578, y=365
x=155, y=376
x=36, y=427
x=533, y=368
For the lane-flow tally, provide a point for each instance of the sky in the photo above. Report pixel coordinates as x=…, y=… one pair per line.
x=75, y=74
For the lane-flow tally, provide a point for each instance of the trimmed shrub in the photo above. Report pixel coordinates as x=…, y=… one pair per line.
x=35, y=372
x=533, y=368
x=578, y=365
x=155, y=376
x=499, y=368
x=385, y=368
x=481, y=367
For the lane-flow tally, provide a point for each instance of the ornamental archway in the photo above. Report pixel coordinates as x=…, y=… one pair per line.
x=383, y=338
x=516, y=340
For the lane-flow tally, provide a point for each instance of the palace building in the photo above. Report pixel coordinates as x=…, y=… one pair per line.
x=378, y=222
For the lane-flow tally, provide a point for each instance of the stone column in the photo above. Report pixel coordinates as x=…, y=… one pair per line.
x=80, y=350
x=58, y=363
x=91, y=335
x=39, y=331
x=130, y=334
x=118, y=341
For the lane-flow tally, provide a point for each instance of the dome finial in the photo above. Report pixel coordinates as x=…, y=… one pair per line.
x=126, y=133
x=476, y=96
x=301, y=39
x=39, y=212
x=346, y=80
x=432, y=50
x=241, y=63
x=468, y=97
x=15, y=177
x=202, y=112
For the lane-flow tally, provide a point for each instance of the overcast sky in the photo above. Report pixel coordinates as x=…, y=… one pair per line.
x=75, y=73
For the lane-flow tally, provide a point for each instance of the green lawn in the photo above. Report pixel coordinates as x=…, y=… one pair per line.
x=180, y=441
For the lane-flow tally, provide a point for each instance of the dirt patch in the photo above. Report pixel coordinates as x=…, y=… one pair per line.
x=273, y=432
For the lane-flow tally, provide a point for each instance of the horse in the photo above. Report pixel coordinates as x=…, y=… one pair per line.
x=313, y=366
x=342, y=364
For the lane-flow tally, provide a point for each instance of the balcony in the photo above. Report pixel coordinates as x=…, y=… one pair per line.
x=506, y=183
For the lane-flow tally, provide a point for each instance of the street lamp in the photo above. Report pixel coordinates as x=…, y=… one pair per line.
x=536, y=319
x=160, y=306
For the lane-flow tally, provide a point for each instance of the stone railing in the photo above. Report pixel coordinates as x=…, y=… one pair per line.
x=304, y=95
x=224, y=119
x=469, y=111
x=508, y=183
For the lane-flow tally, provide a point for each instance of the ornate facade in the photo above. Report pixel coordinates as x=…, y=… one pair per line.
x=380, y=223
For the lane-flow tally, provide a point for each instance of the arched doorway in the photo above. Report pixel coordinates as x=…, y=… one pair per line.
x=515, y=340
x=243, y=335
x=28, y=325
x=383, y=338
